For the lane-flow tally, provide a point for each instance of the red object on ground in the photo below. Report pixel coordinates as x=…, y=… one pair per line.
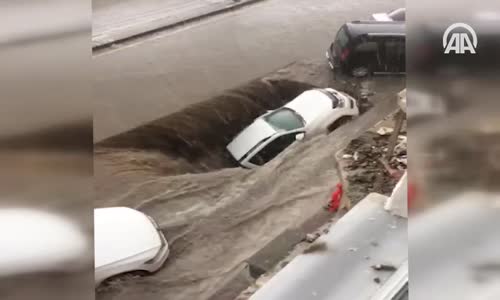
x=336, y=196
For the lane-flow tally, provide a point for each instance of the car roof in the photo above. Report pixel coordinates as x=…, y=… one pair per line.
x=357, y=28
x=122, y=232
x=48, y=240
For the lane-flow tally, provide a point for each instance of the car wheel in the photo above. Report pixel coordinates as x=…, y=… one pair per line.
x=338, y=123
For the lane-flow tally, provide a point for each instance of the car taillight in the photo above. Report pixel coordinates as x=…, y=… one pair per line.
x=344, y=54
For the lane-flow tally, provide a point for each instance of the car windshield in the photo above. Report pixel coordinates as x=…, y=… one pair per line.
x=284, y=119
x=333, y=97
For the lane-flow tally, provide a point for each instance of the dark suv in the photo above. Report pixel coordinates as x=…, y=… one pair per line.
x=368, y=47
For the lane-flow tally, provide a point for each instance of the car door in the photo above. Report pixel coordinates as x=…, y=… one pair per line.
x=272, y=148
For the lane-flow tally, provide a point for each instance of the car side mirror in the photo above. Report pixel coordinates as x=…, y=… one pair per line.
x=300, y=136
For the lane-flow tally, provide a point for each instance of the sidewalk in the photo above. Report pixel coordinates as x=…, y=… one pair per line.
x=119, y=20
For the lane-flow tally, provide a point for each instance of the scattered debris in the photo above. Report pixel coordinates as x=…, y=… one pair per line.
x=384, y=267
x=311, y=237
x=326, y=230
x=385, y=130
x=377, y=280
x=356, y=156
x=365, y=168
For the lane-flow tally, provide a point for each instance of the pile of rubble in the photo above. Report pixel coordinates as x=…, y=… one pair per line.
x=366, y=167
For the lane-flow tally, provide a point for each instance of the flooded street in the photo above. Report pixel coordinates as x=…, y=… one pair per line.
x=149, y=79
x=216, y=221
x=167, y=106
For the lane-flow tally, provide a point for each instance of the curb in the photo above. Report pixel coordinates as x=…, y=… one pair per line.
x=269, y=256
x=99, y=46
x=234, y=285
x=276, y=250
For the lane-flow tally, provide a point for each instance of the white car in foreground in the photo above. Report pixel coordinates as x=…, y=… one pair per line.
x=126, y=240
x=398, y=15
x=313, y=112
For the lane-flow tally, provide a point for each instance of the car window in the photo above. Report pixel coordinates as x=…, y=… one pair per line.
x=284, y=119
x=272, y=149
x=342, y=39
x=394, y=54
x=366, y=54
x=367, y=46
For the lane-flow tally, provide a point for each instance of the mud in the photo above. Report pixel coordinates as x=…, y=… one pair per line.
x=194, y=139
x=316, y=247
x=364, y=170
x=216, y=217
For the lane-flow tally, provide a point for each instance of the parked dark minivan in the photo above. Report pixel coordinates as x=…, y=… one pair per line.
x=368, y=47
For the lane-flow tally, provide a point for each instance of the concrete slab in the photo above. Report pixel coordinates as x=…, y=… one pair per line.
x=272, y=253
x=342, y=268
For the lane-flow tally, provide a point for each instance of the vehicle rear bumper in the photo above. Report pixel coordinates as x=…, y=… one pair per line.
x=160, y=258
x=332, y=62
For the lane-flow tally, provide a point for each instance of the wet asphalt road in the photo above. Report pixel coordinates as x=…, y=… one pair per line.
x=148, y=79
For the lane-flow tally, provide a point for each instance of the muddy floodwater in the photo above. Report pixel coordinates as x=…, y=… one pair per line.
x=214, y=214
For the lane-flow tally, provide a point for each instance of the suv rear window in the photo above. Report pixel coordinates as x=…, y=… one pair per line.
x=342, y=38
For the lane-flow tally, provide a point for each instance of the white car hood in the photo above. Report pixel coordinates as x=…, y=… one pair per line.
x=310, y=105
x=249, y=137
x=120, y=233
